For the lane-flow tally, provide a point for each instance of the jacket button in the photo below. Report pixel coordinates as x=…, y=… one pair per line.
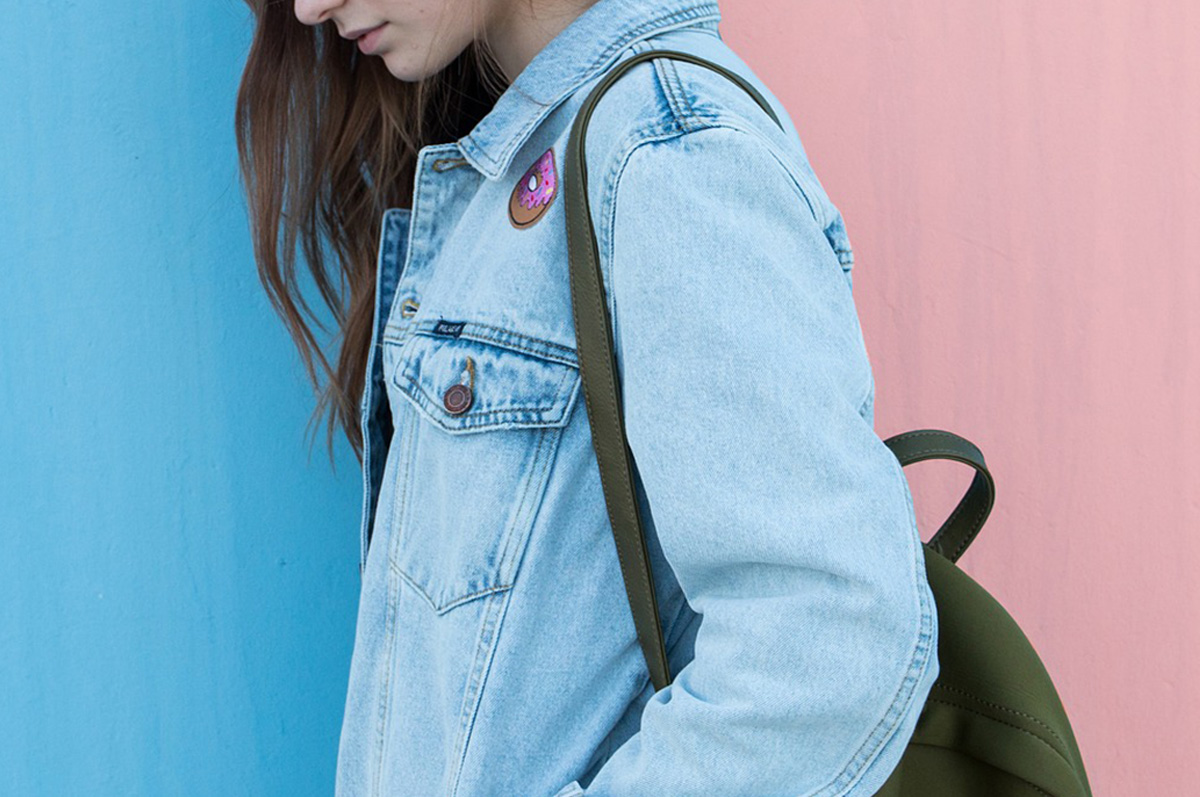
x=457, y=399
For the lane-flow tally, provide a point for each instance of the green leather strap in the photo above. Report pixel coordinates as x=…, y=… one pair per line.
x=597, y=364
x=960, y=528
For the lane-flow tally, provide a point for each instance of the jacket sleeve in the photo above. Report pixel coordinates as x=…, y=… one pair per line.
x=787, y=522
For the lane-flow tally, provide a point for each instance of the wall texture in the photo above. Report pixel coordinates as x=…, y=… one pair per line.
x=1021, y=182
x=178, y=576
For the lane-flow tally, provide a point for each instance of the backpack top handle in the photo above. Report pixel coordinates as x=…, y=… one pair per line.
x=964, y=523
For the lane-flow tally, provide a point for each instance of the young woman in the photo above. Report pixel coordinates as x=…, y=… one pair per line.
x=423, y=141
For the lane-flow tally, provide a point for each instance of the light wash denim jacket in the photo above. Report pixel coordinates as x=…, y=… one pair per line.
x=495, y=653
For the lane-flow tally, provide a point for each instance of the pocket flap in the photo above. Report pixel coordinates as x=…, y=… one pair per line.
x=514, y=381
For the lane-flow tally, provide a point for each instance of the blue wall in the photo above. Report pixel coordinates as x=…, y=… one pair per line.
x=178, y=565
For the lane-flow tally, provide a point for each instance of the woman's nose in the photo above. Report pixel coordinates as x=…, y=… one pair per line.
x=314, y=12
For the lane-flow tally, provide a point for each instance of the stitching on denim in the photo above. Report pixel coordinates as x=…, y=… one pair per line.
x=493, y=617
x=543, y=436
x=474, y=420
x=504, y=338
x=508, y=534
x=712, y=123
x=655, y=134
x=517, y=533
x=467, y=334
x=650, y=134
x=472, y=690
x=705, y=119
x=368, y=390
x=998, y=707
x=367, y=460
x=450, y=604
x=687, y=97
x=410, y=236
x=668, y=88
x=523, y=521
x=885, y=729
x=383, y=713
x=918, y=664
x=685, y=104
x=888, y=725
x=399, y=517
x=552, y=414
x=407, y=436
x=596, y=70
x=665, y=86
x=598, y=67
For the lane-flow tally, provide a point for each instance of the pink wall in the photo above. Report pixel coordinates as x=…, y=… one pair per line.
x=1021, y=183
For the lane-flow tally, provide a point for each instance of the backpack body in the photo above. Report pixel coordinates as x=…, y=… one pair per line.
x=993, y=723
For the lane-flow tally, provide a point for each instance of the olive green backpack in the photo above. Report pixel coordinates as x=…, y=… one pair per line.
x=993, y=724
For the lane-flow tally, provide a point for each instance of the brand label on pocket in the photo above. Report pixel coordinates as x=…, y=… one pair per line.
x=451, y=328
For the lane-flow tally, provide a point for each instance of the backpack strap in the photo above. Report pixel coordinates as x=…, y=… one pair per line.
x=597, y=364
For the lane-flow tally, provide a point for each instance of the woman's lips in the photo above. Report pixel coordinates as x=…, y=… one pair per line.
x=367, y=41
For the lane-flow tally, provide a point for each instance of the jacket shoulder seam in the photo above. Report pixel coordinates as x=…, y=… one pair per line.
x=690, y=110
x=700, y=123
x=659, y=133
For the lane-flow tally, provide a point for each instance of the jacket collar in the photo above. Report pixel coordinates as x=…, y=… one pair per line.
x=577, y=54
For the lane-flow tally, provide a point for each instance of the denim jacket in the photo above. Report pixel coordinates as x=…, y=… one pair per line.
x=495, y=652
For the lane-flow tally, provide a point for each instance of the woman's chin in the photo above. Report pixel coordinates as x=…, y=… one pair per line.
x=411, y=67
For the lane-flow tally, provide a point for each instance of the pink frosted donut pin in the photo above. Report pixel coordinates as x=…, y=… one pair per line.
x=534, y=192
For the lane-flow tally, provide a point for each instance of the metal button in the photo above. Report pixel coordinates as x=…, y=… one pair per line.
x=457, y=399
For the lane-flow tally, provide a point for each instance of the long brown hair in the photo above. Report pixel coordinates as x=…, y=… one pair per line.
x=327, y=140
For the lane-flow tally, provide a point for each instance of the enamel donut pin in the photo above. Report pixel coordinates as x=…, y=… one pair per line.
x=534, y=192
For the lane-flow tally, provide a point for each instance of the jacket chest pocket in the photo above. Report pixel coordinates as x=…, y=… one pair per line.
x=490, y=411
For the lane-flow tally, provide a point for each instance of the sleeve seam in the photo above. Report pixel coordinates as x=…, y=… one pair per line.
x=923, y=654
x=609, y=208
